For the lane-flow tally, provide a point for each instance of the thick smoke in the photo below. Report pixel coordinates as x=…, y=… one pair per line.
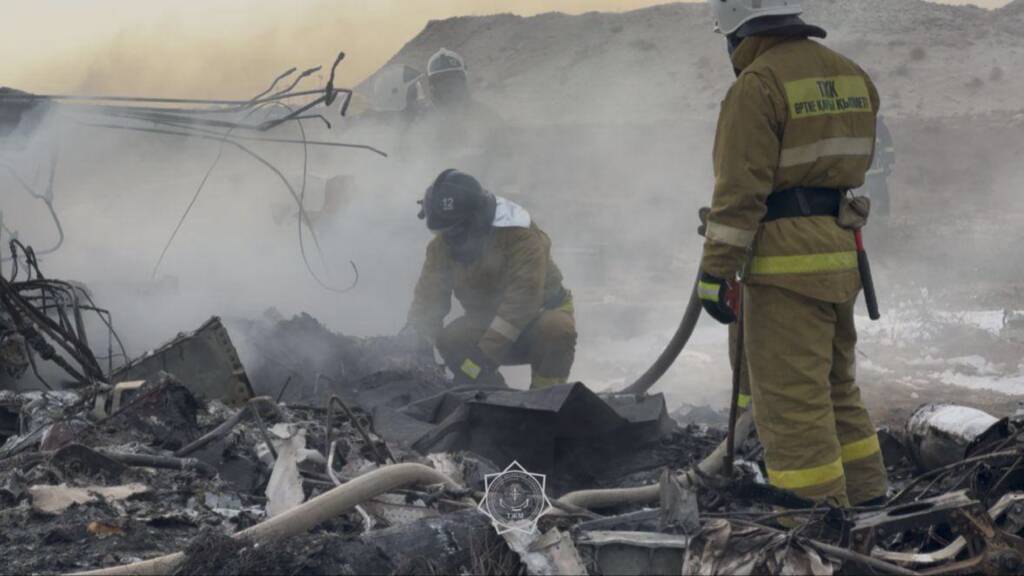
x=611, y=158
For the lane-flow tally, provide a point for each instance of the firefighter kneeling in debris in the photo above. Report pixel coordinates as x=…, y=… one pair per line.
x=796, y=132
x=497, y=262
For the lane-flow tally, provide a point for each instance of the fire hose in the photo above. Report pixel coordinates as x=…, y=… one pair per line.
x=693, y=311
x=304, y=517
x=725, y=452
x=711, y=465
x=679, y=339
x=672, y=350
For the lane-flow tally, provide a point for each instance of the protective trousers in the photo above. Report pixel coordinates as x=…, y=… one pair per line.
x=548, y=345
x=818, y=438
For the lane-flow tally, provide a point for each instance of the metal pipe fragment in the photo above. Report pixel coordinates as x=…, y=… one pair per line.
x=164, y=462
x=225, y=427
x=954, y=549
x=878, y=566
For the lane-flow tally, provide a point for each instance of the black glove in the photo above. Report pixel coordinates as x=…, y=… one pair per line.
x=474, y=368
x=720, y=298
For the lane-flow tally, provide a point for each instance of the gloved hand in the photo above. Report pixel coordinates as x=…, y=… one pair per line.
x=720, y=298
x=474, y=368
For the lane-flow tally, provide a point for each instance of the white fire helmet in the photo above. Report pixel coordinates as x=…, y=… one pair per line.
x=731, y=14
x=445, y=61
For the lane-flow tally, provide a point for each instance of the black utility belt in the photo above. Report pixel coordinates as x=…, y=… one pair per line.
x=803, y=202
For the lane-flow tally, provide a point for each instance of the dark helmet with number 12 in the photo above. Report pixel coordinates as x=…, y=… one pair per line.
x=456, y=200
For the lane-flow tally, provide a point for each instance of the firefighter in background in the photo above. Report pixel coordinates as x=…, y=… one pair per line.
x=448, y=82
x=462, y=119
x=489, y=253
x=471, y=134
x=876, y=184
x=796, y=133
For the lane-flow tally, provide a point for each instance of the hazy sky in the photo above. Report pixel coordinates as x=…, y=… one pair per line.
x=224, y=47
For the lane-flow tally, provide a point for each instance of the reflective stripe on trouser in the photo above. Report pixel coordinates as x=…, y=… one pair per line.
x=548, y=345
x=816, y=432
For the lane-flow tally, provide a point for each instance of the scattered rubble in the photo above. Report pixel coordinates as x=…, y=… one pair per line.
x=366, y=459
x=384, y=477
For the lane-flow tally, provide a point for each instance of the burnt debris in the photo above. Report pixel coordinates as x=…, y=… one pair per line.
x=332, y=454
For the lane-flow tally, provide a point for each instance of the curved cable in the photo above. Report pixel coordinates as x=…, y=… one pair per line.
x=195, y=197
x=48, y=201
x=303, y=216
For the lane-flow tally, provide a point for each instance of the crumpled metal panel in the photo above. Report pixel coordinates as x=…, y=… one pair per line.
x=205, y=361
x=939, y=434
x=633, y=553
x=566, y=431
x=506, y=426
x=648, y=414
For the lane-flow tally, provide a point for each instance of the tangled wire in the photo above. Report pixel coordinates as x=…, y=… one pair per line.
x=48, y=315
x=216, y=123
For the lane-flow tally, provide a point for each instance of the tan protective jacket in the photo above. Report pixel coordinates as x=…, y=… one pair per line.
x=510, y=283
x=798, y=115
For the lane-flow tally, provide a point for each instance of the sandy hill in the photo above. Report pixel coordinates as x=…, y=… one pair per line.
x=660, y=62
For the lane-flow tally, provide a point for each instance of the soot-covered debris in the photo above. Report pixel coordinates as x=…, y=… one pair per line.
x=249, y=481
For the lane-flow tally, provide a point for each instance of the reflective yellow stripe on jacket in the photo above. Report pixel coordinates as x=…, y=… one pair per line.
x=804, y=263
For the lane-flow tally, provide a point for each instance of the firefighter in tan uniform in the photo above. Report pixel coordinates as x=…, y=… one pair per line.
x=795, y=134
x=496, y=261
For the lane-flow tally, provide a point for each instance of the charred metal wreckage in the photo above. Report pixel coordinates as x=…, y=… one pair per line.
x=184, y=461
